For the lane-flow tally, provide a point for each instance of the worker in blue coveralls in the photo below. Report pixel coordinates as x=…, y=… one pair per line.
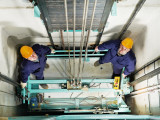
x=119, y=54
x=34, y=61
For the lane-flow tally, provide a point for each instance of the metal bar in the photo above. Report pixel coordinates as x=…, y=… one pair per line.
x=94, y=7
x=145, y=90
x=24, y=93
x=146, y=76
x=74, y=22
x=66, y=15
x=107, y=9
x=85, y=11
x=59, y=51
x=53, y=55
x=45, y=21
x=65, y=90
x=151, y=62
x=9, y=80
x=136, y=10
x=61, y=32
x=65, y=81
x=85, y=116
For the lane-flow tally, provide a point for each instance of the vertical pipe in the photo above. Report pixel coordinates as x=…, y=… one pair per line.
x=62, y=39
x=85, y=11
x=74, y=22
x=66, y=14
x=93, y=12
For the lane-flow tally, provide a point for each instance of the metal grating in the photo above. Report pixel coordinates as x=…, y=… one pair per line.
x=54, y=12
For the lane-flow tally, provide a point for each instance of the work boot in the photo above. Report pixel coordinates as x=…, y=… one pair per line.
x=96, y=64
x=44, y=86
x=46, y=66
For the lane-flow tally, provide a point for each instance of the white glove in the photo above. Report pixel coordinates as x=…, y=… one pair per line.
x=23, y=85
x=96, y=49
x=52, y=50
x=123, y=75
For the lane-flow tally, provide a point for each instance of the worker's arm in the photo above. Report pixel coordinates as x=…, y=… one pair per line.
x=24, y=73
x=106, y=45
x=129, y=68
x=44, y=49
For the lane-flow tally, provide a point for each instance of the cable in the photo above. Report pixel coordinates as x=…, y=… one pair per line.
x=74, y=22
x=85, y=11
x=66, y=14
x=86, y=50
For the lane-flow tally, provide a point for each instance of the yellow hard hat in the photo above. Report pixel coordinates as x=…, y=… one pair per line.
x=127, y=42
x=26, y=51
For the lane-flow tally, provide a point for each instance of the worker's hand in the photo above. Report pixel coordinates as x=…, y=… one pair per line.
x=23, y=85
x=96, y=49
x=52, y=50
x=123, y=75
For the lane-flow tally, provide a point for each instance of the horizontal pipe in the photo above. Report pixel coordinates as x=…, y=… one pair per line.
x=59, y=51
x=59, y=55
x=145, y=90
x=65, y=81
x=65, y=90
x=86, y=116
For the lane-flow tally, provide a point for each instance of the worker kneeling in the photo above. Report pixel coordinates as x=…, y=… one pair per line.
x=119, y=54
x=33, y=63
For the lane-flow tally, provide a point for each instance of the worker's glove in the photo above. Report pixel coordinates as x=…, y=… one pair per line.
x=123, y=75
x=23, y=85
x=52, y=50
x=96, y=49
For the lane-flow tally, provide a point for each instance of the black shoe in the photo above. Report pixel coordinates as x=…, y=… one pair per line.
x=46, y=66
x=96, y=64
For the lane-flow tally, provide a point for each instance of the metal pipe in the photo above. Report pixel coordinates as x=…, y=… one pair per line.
x=82, y=35
x=45, y=23
x=136, y=10
x=9, y=80
x=151, y=62
x=106, y=12
x=62, y=39
x=145, y=90
x=74, y=22
x=65, y=81
x=59, y=51
x=65, y=90
x=94, y=7
x=61, y=55
x=66, y=14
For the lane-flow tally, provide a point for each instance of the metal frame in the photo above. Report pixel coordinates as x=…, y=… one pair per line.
x=86, y=117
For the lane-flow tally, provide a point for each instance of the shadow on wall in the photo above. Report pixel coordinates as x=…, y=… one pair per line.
x=12, y=40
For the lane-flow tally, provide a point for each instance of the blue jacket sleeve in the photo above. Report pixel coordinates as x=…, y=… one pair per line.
x=108, y=45
x=45, y=49
x=130, y=67
x=25, y=72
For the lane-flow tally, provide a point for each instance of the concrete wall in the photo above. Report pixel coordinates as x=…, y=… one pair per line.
x=145, y=99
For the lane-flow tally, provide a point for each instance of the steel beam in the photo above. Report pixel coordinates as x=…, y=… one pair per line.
x=86, y=116
x=65, y=81
x=106, y=12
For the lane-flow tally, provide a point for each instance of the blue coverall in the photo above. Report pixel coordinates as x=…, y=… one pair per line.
x=36, y=68
x=128, y=61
